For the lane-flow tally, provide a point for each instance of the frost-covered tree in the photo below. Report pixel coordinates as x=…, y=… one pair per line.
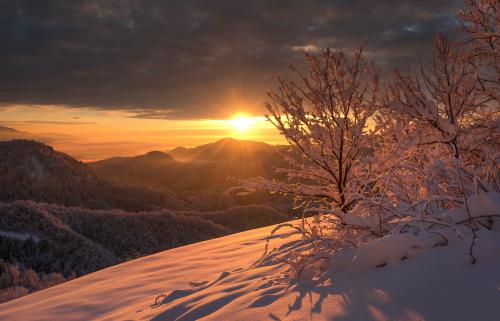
x=441, y=97
x=447, y=138
x=480, y=23
x=325, y=114
x=448, y=113
x=414, y=156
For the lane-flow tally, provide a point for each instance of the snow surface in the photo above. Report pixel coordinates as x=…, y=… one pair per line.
x=19, y=236
x=400, y=277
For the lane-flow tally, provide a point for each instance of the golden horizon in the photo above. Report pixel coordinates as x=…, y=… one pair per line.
x=89, y=134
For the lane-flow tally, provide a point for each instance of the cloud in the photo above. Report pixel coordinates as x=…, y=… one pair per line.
x=54, y=122
x=185, y=59
x=47, y=122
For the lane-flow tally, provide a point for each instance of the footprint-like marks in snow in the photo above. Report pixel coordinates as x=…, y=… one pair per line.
x=197, y=284
x=177, y=294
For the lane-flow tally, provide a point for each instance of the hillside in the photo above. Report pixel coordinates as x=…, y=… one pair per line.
x=58, y=220
x=213, y=280
x=31, y=170
x=70, y=242
x=202, y=168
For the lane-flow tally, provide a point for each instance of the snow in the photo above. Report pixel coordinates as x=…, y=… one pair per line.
x=37, y=169
x=358, y=220
x=19, y=236
x=479, y=205
x=484, y=204
x=389, y=249
x=399, y=277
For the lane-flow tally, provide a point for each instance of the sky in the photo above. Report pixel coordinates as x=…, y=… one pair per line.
x=121, y=77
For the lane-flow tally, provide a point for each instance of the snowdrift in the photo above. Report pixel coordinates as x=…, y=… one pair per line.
x=400, y=277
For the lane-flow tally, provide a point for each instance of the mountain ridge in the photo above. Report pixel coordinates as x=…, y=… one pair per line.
x=196, y=168
x=9, y=129
x=35, y=171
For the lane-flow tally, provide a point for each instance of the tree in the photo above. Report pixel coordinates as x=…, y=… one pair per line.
x=389, y=160
x=443, y=104
x=480, y=21
x=325, y=114
x=442, y=98
x=453, y=141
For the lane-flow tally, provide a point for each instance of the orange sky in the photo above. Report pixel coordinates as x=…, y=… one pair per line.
x=90, y=134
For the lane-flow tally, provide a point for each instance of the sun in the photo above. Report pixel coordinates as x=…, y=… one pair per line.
x=241, y=122
x=245, y=126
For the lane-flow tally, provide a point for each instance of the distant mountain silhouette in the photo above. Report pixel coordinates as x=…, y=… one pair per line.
x=157, y=155
x=31, y=170
x=8, y=133
x=4, y=129
x=205, y=167
x=225, y=149
x=151, y=159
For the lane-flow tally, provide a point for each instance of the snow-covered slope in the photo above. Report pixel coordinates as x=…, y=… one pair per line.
x=212, y=280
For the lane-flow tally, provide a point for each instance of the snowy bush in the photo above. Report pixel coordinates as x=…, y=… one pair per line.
x=410, y=157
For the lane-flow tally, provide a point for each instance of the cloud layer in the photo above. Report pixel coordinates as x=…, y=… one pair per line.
x=184, y=59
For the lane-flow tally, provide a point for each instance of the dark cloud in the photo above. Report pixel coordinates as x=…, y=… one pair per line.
x=187, y=58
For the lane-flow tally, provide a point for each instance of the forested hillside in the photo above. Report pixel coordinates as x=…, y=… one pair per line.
x=42, y=243
x=31, y=170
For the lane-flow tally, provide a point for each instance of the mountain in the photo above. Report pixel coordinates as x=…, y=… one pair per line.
x=58, y=220
x=202, y=168
x=219, y=280
x=31, y=170
x=152, y=158
x=225, y=149
x=148, y=170
x=8, y=133
x=4, y=129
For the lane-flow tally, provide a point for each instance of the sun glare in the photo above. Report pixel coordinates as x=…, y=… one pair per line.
x=241, y=122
